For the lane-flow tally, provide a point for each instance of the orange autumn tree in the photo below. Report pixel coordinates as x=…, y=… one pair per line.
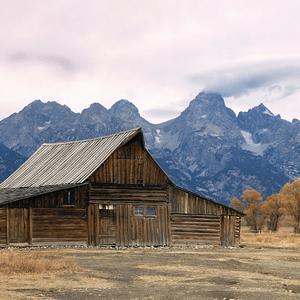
x=273, y=209
x=291, y=194
x=237, y=204
x=251, y=205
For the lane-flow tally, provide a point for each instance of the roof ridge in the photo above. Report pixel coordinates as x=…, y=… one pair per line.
x=93, y=139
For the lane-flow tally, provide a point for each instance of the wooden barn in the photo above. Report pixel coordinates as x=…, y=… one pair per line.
x=107, y=191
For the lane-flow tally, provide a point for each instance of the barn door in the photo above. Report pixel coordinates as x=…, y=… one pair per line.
x=107, y=225
x=228, y=231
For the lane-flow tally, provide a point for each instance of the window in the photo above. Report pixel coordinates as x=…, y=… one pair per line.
x=107, y=210
x=69, y=198
x=151, y=211
x=106, y=207
x=139, y=211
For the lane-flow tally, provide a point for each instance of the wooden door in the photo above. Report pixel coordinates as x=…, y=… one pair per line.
x=107, y=226
x=228, y=231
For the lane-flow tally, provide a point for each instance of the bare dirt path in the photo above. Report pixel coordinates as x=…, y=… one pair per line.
x=209, y=273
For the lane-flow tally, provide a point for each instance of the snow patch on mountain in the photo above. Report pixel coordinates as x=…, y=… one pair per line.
x=267, y=112
x=158, y=136
x=250, y=145
x=166, y=140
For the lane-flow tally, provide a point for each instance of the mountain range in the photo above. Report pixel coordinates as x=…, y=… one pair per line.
x=207, y=148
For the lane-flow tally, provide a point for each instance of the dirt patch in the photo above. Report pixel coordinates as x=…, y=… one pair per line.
x=212, y=274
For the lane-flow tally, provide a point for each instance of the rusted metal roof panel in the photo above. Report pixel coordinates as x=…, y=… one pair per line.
x=67, y=163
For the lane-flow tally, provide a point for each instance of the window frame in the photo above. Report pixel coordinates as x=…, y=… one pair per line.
x=71, y=199
x=151, y=215
x=137, y=208
x=144, y=213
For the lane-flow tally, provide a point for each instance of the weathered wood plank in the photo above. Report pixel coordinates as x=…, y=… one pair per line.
x=63, y=224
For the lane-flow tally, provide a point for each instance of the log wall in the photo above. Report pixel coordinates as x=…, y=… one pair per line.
x=230, y=230
x=127, y=194
x=59, y=225
x=195, y=229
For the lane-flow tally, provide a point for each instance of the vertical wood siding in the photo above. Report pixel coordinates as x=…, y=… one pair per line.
x=107, y=227
x=130, y=230
x=3, y=221
x=189, y=203
x=131, y=165
x=142, y=231
x=18, y=221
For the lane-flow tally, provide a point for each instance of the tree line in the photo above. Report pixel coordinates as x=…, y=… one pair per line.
x=260, y=212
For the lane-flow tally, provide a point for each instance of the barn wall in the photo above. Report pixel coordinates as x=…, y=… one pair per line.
x=19, y=225
x=195, y=229
x=45, y=218
x=127, y=194
x=53, y=200
x=230, y=230
x=59, y=224
x=130, y=165
x=142, y=231
x=198, y=220
x=123, y=228
x=131, y=230
x=189, y=203
x=237, y=230
x=3, y=220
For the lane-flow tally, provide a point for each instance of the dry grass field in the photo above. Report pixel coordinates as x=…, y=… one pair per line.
x=263, y=268
x=284, y=238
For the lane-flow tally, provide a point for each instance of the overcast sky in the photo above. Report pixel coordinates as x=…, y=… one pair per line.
x=157, y=54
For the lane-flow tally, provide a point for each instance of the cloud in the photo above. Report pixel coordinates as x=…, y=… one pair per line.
x=279, y=77
x=79, y=52
x=159, y=113
x=59, y=61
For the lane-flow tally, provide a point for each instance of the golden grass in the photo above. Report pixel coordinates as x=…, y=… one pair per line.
x=16, y=262
x=282, y=238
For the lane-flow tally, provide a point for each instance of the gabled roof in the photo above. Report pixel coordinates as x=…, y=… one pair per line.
x=67, y=163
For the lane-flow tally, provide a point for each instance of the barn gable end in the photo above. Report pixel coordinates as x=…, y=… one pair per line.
x=130, y=164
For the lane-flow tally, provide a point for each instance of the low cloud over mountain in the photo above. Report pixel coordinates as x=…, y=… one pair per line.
x=279, y=76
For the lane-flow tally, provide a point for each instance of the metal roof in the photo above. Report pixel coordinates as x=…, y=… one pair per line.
x=12, y=195
x=67, y=163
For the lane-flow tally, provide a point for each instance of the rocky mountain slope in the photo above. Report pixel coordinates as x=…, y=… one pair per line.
x=207, y=148
x=9, y=161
